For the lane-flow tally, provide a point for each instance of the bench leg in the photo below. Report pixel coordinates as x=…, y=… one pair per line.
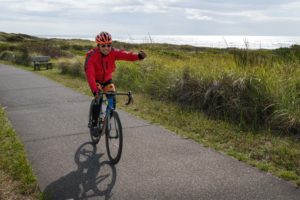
x=49, y=66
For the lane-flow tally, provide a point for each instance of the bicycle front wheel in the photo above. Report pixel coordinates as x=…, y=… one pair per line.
x=114, y=138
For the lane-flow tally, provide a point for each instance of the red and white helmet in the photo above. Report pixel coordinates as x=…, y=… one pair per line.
x=103, y=38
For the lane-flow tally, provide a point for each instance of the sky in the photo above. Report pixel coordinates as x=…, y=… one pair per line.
x=151, y=17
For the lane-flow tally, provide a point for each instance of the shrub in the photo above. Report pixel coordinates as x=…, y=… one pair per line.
x=129, y=76
x=283, y=121
x=157, y=79
x=74, y=68
x=252, y=58
x=289, y=55
x=244, y=100
x=77, y=47
x=4, y=46
x=14, y=38
x=171, y=54
x=47, y=48
x=190, y=91
x=77, y=69
x=22, y=57
x=64, y=67
x=65, y=47
x=13, y=47
x=148, y=77
x=88, y=47
x=7, y=55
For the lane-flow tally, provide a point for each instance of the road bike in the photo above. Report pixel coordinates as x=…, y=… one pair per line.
x=108, y=124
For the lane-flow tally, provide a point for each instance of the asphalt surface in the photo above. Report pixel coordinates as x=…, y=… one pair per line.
x=51, y=120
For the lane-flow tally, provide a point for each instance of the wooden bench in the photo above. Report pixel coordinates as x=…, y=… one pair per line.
x=39, y=61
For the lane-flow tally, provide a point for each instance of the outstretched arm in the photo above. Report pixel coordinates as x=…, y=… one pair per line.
x=129, y=56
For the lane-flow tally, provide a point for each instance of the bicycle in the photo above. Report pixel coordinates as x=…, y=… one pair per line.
x=108, y=124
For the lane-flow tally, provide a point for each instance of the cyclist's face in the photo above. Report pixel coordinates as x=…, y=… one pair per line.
x=105, y=48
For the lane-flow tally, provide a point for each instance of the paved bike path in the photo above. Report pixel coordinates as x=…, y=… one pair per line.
x=51, y=120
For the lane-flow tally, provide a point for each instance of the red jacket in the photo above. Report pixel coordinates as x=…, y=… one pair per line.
x=99, y=67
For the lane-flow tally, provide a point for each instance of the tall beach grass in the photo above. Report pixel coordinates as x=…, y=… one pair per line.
x=243, y=102
x=256, y=89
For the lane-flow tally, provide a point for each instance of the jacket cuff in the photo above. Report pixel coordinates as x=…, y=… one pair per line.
x=140, y=56
x=95, y=92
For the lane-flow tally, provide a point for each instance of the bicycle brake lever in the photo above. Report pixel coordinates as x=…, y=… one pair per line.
x=130, y=99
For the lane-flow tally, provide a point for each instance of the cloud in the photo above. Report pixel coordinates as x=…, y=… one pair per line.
x=203, y=15
x=155, y=16
x=267, y=15
x=147, y=8
x=194, y=10
x=195, y=14
x=103, y=6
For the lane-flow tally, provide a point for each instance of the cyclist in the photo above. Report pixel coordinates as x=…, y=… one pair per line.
x=100, y=64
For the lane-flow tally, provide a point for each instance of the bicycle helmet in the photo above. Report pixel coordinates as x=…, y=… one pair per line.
x=103, y=38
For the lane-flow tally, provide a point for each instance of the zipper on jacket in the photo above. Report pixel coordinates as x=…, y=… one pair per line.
x=104, y=71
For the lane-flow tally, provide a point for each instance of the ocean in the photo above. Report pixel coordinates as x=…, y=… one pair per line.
x=250, y=42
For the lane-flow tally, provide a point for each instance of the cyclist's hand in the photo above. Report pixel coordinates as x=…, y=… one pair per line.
x=95, y=95
x=142, y=55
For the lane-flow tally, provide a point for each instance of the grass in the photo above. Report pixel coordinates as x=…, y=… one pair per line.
x=277, y=154
x=17, y=180
x=214, y=81
x=242, y=102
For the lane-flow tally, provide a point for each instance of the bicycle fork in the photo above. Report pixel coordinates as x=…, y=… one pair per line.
x=109, y=108
x=104, y=123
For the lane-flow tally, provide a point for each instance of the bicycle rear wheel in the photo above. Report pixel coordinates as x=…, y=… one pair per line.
x=94, y=137
x=114, y=138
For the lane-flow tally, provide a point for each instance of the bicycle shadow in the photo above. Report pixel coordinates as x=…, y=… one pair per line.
x=91, y=179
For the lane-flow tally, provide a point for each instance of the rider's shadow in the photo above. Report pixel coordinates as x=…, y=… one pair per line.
x=91, y=179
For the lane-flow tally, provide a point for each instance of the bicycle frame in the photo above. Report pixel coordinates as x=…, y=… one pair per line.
x=110, y=107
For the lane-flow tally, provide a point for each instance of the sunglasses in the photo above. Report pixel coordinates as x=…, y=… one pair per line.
x=105, y=45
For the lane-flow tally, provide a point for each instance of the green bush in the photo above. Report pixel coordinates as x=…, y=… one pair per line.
x=88, y=47
x=7, y=55
x=253, y=58
x=289, y=55
x=46, y=48
x=190, y=91
x=72, y=68
x=77, y=47
x=65, y=46
x=3, y=46
x=18, y=57
x=148, y=77
x=244, y=100
x=22, y=57
x=77, y=69
x=129, y=77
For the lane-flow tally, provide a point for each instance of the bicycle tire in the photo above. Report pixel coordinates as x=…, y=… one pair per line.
x=95, y=139
x=114, y=144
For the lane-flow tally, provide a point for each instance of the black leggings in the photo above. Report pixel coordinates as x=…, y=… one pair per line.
x=97, y=107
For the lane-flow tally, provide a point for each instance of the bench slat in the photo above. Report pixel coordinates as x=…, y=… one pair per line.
x=40, y=58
